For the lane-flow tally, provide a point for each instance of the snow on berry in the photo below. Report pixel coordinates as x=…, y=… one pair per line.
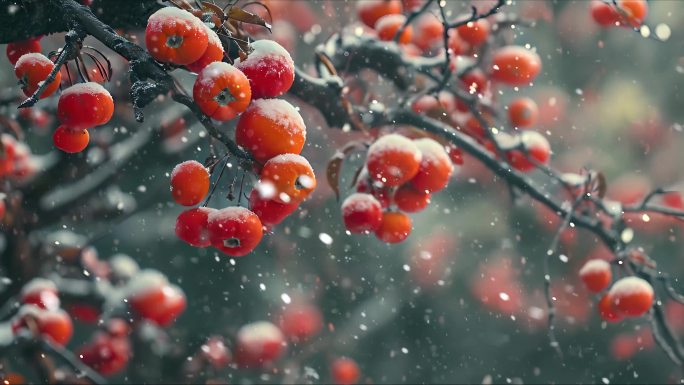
x=269, y=68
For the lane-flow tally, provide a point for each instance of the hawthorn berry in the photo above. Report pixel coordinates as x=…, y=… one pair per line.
x=175, y=36
x=631, y=296
x=435, y=166
x=154, y=299
x=291, y=177
x=3, y=209
x=189, y=183
x=258, y=344
x=222, y=91
x=474, y=32
x=475, y=82
x=369, y=11
x=345, y=371
x=192, y=226
x=361, y=213
x=70, y=140
x=596, y=275
x=269, y=68
x=456, y=44
x=32, y=69
x=106, y=354
x=213, y=53
x=428, y=31
x=54, y=324
x=85, y=105
x=393, y=160
x=455, y=154
x=300, y=321
x=634, y=11
x=236, y=231
x=388, y=26
x=382, y=194
x=410, y=199
x=535, y=147
x=17, y=49
x=83, y=313
x=603, y=13
x=271, y=127
x=394, y=228
x=515, y=66
x=40, y=292
x=269, y=211
x=523, y=112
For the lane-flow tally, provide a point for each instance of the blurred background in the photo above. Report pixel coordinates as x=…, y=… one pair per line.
x=462, y=299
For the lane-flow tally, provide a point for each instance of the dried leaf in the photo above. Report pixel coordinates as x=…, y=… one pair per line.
x=182, y=4
x=239, y=14
x=602, y=186
x=335, y=165
x=215, y=9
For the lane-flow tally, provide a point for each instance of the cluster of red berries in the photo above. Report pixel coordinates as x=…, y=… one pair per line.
x=80, y=107
x=398, y=171
x=259, y=344
x=627, y=13
x=270, y=129
x=109, y=350
x=627, y=297
x=41, y=314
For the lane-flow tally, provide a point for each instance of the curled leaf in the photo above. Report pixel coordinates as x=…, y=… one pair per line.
x=335, y=165
x=239, y=14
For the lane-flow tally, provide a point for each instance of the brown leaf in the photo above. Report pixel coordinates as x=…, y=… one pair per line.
x=602, y=185
x=239, y=14
x=215, y=9
x=182, y=4
x=335, y=165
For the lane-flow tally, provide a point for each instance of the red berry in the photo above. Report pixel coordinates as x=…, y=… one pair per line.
x=474, y=32
x=635, y=11
x=258, y=344
x=189, y=183
x=290, y=176
x=175, y=36
x=388, y=26
x=603, y=13
x=270, y=211
x=596, y=275
x=535, y=146
x=70, y=140
x=213, y=53
x=428, y=31
x=395, y=227
x=235, y=230
x=269, y=68
x=17, y=49
x=301, y=321
x=345, y=371
x=475, y=82
x=53, y=324
x=32, y=69
x=435, y=166
x=106, y=354
x=393, y=160
x=411, y=200
x=40, y=292
x=221, y=91
x=361, y=213
x=515, y=66
x=85, y=105
x=523, y=112
x=631, y=296
x=382, y=194
x=152, y=297
x=369, y=11
x=192, y=226
x=271, y=127
x=607, y=309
